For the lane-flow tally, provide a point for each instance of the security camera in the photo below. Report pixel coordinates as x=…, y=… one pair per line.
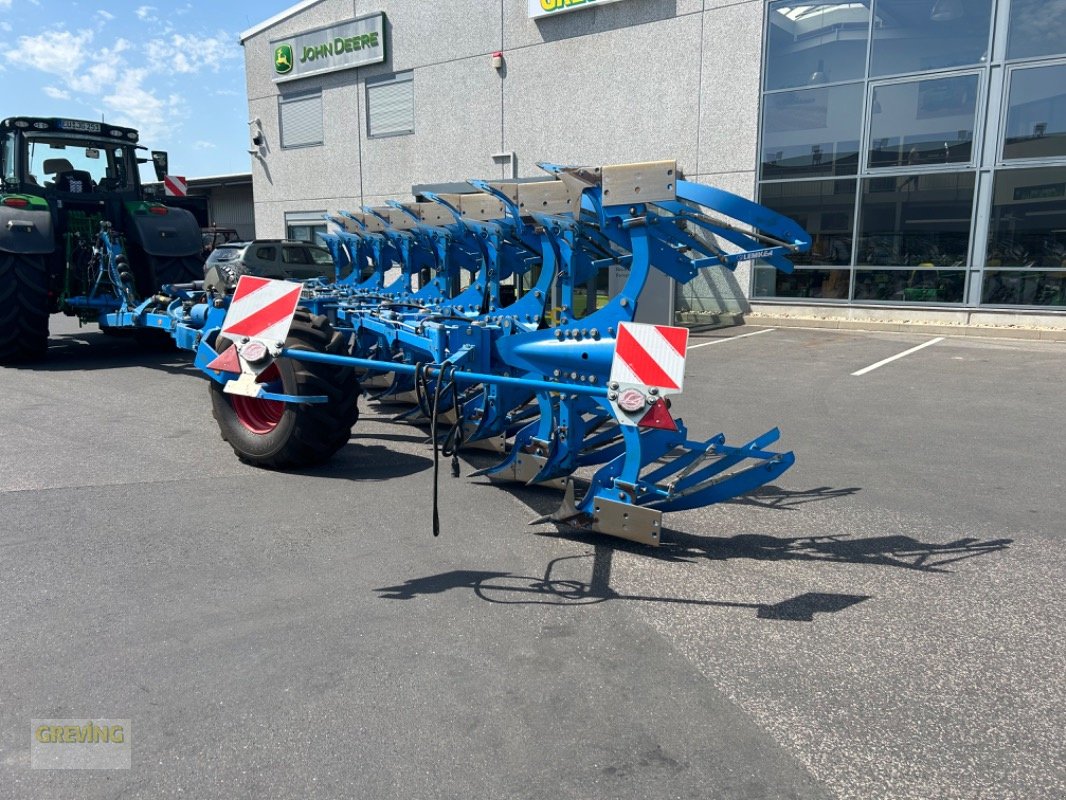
x=257, y=139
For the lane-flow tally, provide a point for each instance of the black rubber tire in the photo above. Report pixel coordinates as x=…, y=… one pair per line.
x=306, y=434
x=23, y=308
x=175, y=269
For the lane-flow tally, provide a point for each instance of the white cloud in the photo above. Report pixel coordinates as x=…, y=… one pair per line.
x=146, y=13
x=130, y=103
x=5, y=3
x=105, y=14
x=200, y=144
x=189, y=54
x=55, y=52
x=56, y=94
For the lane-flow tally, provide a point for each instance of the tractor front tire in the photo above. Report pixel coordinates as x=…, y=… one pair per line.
x=276, y=435
x=23, y=308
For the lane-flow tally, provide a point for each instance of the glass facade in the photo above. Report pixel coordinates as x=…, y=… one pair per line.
x=922, y=144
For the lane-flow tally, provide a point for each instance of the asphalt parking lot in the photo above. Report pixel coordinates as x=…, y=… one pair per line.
x=885, y=622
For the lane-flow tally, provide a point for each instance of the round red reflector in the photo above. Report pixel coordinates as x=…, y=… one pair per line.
x=254, y=351
x=631, y=400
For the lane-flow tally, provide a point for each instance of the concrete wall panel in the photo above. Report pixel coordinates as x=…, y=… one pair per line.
x=451, y=30
x=521, y=31
x=632, y=99
x=729, y=105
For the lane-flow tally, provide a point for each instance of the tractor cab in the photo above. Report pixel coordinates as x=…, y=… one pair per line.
x=65, y=158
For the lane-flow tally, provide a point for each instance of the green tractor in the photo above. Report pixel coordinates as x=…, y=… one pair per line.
x=63, y=181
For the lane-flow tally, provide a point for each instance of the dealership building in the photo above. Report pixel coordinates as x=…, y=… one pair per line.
x=922, y=143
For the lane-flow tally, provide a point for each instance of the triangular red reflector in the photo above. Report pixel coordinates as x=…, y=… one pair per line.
x=658, y=416
x=227, y=361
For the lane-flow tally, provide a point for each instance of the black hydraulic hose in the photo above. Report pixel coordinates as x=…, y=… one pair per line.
x=445, y=378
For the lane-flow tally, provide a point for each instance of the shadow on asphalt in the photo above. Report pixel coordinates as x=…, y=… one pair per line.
x=901, y=552
x=774, y=497
x=91, y=350
x=550, y=589
x=367, y=462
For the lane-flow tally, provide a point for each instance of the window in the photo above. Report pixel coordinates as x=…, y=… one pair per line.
x=923, y=122
x=295, y=255
x=812, y=132
x=7, y=155
x=1036, y=113
x=909, y=83
x=1036, y=28
x=1028, y=224
x=922, y=35
x=916, y=220
x=304, y=232
x=390, y=105
x=303, y=225
x=266, y=253
x=77, y=165
x=816, y=42
x=300, y=119
x=920, y=285
x=825, y=209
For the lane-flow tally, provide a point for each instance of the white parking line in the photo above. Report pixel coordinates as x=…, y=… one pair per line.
x=730, y=338
x=890, y=359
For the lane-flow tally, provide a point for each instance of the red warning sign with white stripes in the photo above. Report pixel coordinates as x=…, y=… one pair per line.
x=261, y=309
x=650, y=355
x=175, y=185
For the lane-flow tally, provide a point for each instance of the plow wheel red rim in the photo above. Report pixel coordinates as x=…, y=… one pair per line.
x=258, y=415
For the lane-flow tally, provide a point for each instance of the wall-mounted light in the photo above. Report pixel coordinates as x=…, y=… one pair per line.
x=258, y=139
x=497, y=60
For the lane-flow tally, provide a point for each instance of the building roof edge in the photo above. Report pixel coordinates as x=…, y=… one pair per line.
x=281, y=16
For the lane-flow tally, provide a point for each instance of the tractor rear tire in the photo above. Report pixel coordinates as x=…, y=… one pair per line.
x=23, y=308
x=275, y=435
x=175, y=269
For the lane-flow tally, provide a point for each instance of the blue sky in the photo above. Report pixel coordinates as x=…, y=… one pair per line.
x=174, y=71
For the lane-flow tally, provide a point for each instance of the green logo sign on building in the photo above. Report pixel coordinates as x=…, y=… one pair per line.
x=283, y=59
x=342, y=45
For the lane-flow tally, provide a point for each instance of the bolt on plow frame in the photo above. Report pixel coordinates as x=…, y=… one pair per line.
x=481, y=311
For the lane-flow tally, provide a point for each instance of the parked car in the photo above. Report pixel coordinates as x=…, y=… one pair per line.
x=268, y=258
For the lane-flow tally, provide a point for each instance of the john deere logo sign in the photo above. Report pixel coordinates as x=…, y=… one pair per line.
x=283, y=59
x=343, y=46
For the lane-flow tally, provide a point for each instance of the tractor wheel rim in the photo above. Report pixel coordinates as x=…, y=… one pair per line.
x=258, y=415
